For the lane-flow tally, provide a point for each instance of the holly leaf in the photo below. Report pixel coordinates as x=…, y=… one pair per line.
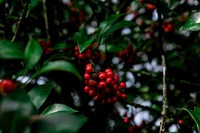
x=39, y=94
x=54, y=108
x=59, y=65
x=10, y=50
x=193, y=23
x=32, y=53
x=172, y=4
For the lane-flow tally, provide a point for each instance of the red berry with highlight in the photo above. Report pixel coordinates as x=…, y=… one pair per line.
x=122, y=85
x=7, y=85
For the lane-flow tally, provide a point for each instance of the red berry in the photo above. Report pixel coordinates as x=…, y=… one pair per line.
x=96, y=98
x=108, y=70
x=92, y=82
x=88, y=70
x=108, y=101
x=126, y=120
x=142, y=1
x=81, y=56
x=122, y=85
x=76, y=48
x=131, y=129
x=102, y=76
x=86, y=89
x=76, y=54
x=91, y=93
x=106, y=90
x=118, y=94
x=102, y=84
x=115, y=87
x=109, y=81
x=109, y=74
x=123, y=96
x=7, y=85
x=114, y=99
x=87, y=76
x=180, y=121
x=116, y=79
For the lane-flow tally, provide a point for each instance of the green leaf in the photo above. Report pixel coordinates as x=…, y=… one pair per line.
x=193, y=23
x=59, y=65
x=39, y=94
x=115, y=48
x=60, y=122
x=59, y=46
x=197, y=110
x=120, y=25
x=10, y=50
x=54, y=108
x=196, y=117
x=82, y=47
x=32, y=4
x=32, y=53
x=82, y=40
x=172, y=4
x=1, y=1
x=16, y=109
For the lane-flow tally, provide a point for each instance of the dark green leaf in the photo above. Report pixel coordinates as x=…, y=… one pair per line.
x=32, y=4
x=32, y=53
x=59, y=46
x=10, y=50
x=59, y=65
x=82, y=47
x=156, y=107
x=172, y=4
x=16, y=111
x=60, y=122
x=196, y=117
x=1, y=1
x=197, y=110
x=120, y=25
x=39, y=94
x=54, y=108
x=193, y=23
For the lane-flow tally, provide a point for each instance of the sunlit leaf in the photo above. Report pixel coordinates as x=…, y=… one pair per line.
x=193, y=22
x=16, y=109
x=60, y=122
x=196, y=117
x=10, y=50
x=39, y=94
x=59, y=65
x=54, y=108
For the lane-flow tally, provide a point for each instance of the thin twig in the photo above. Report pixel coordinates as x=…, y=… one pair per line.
x=164, y=108
x=46, y=20
x=23, y=15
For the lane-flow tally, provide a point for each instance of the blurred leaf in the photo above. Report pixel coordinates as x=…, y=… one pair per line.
x=54, y=108
x=172, y=4
x=193, y=23
x=82, y=40
x=60, y=122
x=39, y=94
x=1, y=1
x=32, y=4
x=120, y=25
x=32, y=53
x=16, y=111
x=143, y=89
x=58, y=56
x=59, y=46
x=196, y=117
x=59, y=65
x=10, y=50
x=114, y=48
x=197, y=110
x=156, y=107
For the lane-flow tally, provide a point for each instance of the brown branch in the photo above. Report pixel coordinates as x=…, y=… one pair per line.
x=46, y=20
x=164, y=108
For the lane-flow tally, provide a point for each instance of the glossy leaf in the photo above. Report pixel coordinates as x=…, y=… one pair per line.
x=60, y=122
x=39, y=94
x=120, y=25
x=32, y=54
x=54, y=108
x=172, y=4
x=10, y=50
x=59, y=65
x=193, y=23
x=196, y=117
x=32, y=4
x=16, y=111
x=82, y=40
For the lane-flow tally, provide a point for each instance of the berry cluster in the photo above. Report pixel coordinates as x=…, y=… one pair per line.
x=7, y=86
x=127, y=56
x=46, y=46
x=85, y=56
x=104, y=87
x=167, y=27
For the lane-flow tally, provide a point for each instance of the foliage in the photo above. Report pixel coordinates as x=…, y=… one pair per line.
x=64, y=56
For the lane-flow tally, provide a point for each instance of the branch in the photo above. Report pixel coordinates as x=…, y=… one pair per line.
x=21, y=18
x=46, y=20
x=164, y=108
